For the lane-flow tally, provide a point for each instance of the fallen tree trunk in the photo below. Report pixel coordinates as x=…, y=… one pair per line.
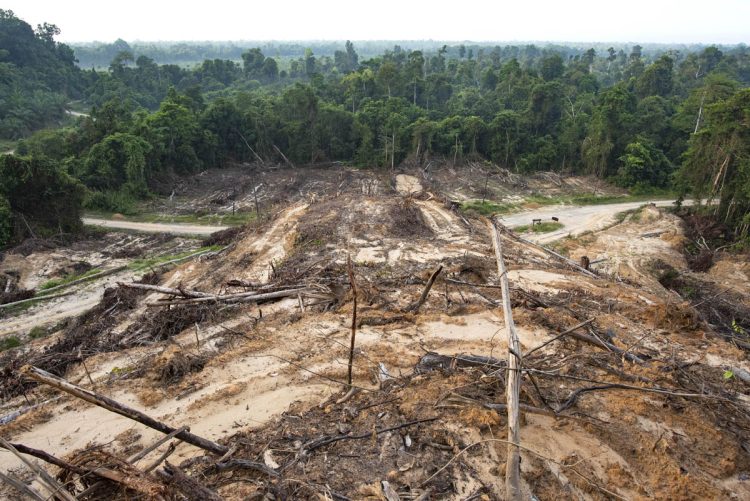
x=512, y=397
x=37, y=298
x=101, y=274
x=553, y=253
x=45, y=377
x=245, y=297
x=166, y=290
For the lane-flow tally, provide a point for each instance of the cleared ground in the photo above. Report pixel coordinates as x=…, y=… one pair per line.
x=635, y=404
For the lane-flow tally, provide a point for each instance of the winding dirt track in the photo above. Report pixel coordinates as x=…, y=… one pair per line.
x=576, y=219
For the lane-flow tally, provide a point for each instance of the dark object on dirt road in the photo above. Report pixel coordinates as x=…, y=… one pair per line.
x=555, y=218
x=536, y=221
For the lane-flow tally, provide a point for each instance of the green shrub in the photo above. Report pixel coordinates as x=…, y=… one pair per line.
x=38, y=333
x=111, y=201
x=539, y=228
x=6, y=223
x=9, y=343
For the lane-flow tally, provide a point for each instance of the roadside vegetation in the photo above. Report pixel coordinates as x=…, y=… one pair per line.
x=543, y=227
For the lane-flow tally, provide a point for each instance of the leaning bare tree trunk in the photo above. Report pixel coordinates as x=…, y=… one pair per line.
x=45, y=377
x=513, y=464
x=354, y=319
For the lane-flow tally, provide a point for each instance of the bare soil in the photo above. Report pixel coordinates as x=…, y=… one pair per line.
x=650, y=415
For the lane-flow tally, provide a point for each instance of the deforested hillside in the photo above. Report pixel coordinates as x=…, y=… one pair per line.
x=631, y=388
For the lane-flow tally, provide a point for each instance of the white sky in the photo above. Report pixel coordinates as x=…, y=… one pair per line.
x=708, y=21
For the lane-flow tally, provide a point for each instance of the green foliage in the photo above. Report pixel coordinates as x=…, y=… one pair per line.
x=43, y=198
x=37, y=76
x=643, y=164
x=118, y=162
x=486, y=208
x=9, y=342
x=67, y=279
x=544, y=227
x=143, y=264
x=38, y=333
x=717, y=162
x=6, y=222
x=119, y=202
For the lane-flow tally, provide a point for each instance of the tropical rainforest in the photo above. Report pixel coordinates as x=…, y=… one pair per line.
x=647, y=120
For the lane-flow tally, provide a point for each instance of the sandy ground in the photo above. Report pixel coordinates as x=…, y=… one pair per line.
x=272, y=372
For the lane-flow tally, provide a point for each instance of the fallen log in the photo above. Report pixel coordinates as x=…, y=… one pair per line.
x=145, y=452
x=101, y=274
x=551, y=253
x=44, y=456
x=433, y=361
x=245, y=297
x=45, y=377
x=188, y=486
x=36, y=298
x=44, y=478
x=166, y=290
x=353, y=285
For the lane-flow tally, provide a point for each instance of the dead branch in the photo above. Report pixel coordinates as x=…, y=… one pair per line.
x=549, y=251
x=46, y=457
x=414, y=307
x=44, y=478
x=188, y=486
x=327, y=440
x=513, y=465
x=245, y=297
x=145, y=452
x=45, y=377
x=562, y=334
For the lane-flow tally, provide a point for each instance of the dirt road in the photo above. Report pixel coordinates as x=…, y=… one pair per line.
x=174, y=228
x=576, y=219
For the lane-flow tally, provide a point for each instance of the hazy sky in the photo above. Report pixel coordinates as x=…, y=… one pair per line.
x=714, y=21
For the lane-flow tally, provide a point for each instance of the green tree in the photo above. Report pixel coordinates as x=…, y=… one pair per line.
x=43, y=198
x=717, y=162
x=643, y=165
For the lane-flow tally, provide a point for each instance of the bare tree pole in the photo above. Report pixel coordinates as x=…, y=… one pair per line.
x=354, y=317
x=257, y=157
x=513, y=464
x=283, y=156
x=45, y=377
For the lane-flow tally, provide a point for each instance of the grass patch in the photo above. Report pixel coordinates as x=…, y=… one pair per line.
x=38, y=333
x=593, y=199
x=9, y=343
x=545, y=227
x=487, y=208
x=67, y=279
x=142, y=264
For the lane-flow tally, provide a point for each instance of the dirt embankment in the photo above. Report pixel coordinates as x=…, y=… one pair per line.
x=634, y=404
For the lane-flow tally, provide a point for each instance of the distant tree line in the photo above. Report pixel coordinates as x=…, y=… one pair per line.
x=671, y=120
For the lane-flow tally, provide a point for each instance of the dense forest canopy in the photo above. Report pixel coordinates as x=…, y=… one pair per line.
x=644, y=119
x=37, y=76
